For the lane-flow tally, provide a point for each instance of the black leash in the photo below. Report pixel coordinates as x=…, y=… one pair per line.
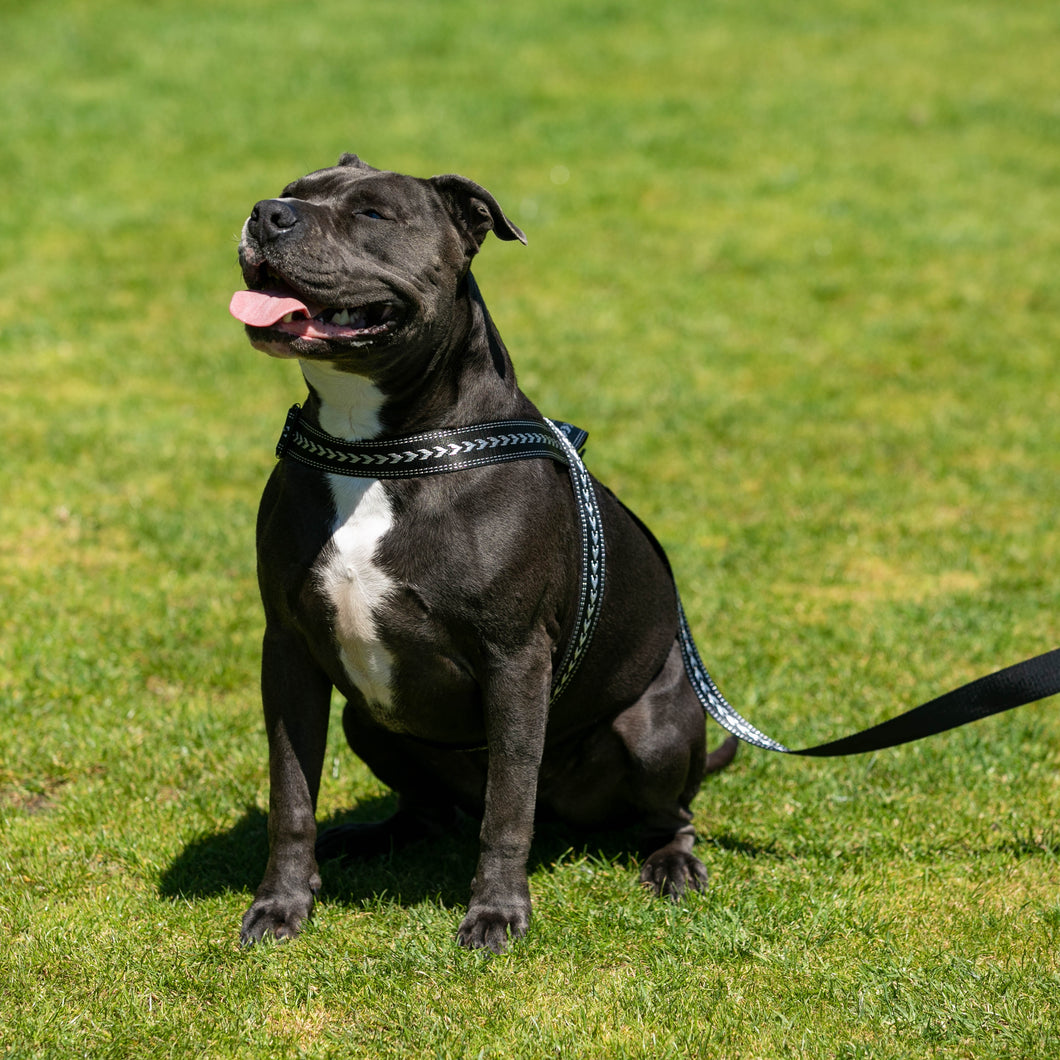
x=437, y=452
x=1014, y=686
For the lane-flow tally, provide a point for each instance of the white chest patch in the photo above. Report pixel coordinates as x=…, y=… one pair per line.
x=357, y=586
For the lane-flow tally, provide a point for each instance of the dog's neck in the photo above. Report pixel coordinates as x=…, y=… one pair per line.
x=470, y=381
x=347, y=405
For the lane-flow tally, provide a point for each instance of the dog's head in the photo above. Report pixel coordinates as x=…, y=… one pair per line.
x=351, y=262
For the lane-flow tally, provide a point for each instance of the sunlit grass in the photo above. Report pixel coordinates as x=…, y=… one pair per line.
x=793, y=266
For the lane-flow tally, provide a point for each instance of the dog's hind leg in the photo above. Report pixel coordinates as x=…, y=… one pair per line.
x=413, y=820
x=426, y=802
x=664, y=735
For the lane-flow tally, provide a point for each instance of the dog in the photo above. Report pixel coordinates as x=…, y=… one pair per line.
x=441, y=605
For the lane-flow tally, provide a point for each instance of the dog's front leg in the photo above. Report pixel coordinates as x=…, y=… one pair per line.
x=515, y=699
x=296, y=696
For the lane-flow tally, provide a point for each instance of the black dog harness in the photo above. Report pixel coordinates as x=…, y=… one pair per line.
x=436, y=452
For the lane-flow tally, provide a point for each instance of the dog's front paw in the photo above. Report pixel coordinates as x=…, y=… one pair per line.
x=489, y=928
x=669, y=873
x=276, y=913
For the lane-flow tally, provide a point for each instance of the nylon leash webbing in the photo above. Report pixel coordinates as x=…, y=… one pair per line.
x=1014, y=686
x=1024, y=682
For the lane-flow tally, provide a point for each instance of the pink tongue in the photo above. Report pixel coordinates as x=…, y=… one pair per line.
x=262, y=309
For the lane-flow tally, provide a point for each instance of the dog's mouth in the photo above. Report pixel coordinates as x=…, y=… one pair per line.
x=279, y=307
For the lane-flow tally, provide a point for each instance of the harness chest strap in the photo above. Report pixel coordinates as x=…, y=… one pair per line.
x=437, y=452
x=440, y=452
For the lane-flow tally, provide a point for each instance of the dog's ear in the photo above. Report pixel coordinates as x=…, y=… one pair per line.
x=352, y=160
x=475, y=210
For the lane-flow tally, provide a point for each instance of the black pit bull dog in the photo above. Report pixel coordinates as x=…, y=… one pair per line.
x=441, y=605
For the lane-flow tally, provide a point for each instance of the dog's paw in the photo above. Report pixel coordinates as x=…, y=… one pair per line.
x=279, y=916
x=669, y=873
x=490, y=929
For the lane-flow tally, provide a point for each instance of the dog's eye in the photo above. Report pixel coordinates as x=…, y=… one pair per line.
x=373, y=215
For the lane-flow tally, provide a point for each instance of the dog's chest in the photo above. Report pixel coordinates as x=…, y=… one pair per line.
x=356, y=586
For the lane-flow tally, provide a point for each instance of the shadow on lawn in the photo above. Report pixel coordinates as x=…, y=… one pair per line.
x=436, y=869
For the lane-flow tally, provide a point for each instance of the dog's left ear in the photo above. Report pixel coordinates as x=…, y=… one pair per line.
x=475, y=210
x=356, y=163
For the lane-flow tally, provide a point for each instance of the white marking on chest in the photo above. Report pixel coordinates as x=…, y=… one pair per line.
x=357, y=586
x=351, y=578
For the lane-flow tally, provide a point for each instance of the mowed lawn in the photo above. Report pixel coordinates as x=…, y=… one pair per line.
x=794, y=266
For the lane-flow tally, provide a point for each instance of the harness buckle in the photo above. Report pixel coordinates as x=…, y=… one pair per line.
x=293, y=416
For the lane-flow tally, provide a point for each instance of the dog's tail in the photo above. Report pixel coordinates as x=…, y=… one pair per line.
x=722, y=755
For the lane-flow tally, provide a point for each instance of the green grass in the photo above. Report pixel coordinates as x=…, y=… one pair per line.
x=794, y=266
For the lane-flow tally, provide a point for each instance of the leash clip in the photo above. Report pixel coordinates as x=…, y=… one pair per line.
x=293, y=416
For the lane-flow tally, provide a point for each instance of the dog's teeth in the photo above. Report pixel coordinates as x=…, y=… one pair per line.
x=342, y=318
x=289, y=318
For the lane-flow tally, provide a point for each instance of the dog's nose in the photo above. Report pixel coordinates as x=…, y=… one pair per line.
x=271, y=218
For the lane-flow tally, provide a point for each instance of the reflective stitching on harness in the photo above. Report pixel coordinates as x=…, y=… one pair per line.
x=591, y=589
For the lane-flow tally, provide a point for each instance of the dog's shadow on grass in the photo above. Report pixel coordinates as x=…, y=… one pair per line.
x=439, y=870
